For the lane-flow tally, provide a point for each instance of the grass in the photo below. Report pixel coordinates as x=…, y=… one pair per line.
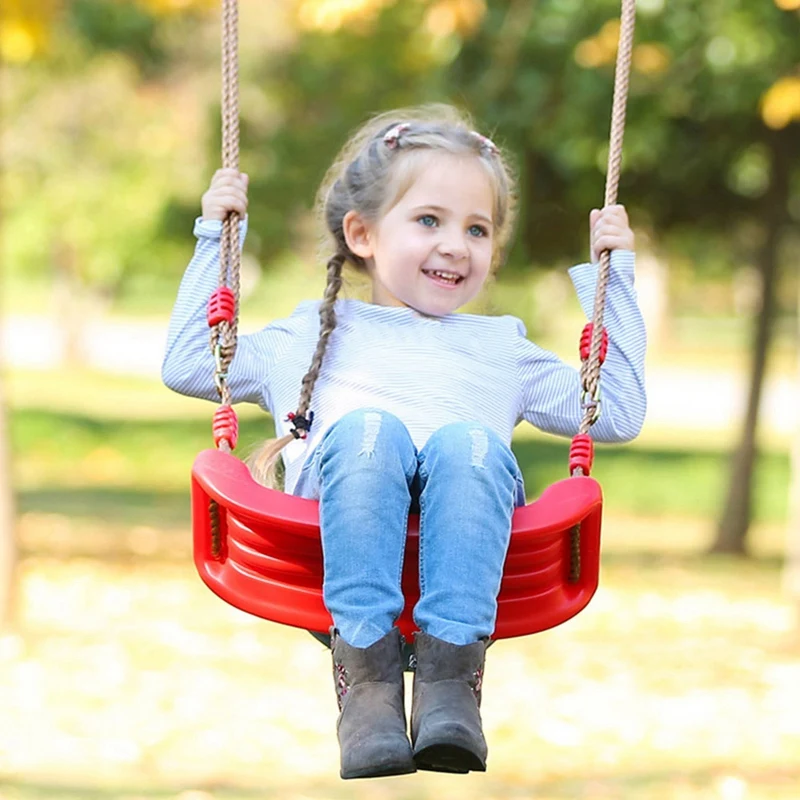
x=93, y=466
x=125, y=679
x=131, y=681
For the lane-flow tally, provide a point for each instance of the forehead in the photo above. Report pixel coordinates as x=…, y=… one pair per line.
x=445, y=179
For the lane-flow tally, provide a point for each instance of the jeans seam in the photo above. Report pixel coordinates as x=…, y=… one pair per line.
x=423, y=482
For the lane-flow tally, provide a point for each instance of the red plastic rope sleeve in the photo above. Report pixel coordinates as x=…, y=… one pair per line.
x=581, y=453
x=221, y=306
x=225, y=426
x=586, y=342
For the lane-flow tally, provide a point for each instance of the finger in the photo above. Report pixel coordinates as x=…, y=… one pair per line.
x=611, y=243
x=615, y=214
x=228, y=181
x=231, y=199
x=223, y=177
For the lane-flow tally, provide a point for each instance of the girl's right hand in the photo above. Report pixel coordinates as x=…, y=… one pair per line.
x=227, y=192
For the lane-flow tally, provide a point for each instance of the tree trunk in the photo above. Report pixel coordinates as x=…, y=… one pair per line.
x=791, y=573
x=737, y=513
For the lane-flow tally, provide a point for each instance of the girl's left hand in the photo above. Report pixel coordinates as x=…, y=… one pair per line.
x=609, y=230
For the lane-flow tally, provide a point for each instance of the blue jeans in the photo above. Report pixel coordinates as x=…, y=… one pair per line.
x=367, y=474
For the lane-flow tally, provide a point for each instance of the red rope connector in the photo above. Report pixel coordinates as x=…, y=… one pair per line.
x=225, y=426
x=581, y=453
x=221, y=306
x=586, y=342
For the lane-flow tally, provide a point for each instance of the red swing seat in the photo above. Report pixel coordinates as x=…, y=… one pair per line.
x=269, y=559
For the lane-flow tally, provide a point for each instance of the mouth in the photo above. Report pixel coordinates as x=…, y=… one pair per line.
x=443, y=277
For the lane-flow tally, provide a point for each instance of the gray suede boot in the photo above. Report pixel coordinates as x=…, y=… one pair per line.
x=372, y=722
x=446, y=729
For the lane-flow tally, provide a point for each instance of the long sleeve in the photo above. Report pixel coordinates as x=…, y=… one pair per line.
x=551, y=389
x=188, y=366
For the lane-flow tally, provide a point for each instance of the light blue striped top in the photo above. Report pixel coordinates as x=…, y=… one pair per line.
x=427, y=371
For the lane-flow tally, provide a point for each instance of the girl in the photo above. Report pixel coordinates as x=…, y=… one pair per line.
x=413, y=410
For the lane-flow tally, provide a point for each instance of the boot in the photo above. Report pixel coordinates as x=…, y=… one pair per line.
x=446, y=727
x=372, y=723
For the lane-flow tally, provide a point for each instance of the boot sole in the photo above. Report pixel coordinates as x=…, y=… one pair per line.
x=448, y=758
x=383, y=771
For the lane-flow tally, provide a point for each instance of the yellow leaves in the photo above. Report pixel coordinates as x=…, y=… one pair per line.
x=462, y=17
x=331, y=15
x=780, y=104
x=24, y=29
x=788, y=5
x=649, y=58
x=163, y=8
x=442, y=18
x=18, y=42
x=600, y=49
x=124, y=669
x=25, y=26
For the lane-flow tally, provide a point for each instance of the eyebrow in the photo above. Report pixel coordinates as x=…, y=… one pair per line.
x=440, y=209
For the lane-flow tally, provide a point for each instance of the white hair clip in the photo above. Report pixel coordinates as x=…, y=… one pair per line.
x=486, y=143
x=392, y=136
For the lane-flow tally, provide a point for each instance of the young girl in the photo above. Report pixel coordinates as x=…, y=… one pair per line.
x=413, y=410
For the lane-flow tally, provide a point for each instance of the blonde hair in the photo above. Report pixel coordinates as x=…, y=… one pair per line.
x=371, y=173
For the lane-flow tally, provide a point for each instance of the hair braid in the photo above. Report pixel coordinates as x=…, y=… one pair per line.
x=327, y=322
x=264, y=463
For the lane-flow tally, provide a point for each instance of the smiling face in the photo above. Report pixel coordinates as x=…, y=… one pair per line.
x=432, y=250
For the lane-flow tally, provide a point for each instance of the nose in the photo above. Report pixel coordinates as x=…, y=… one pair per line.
x=452, y=244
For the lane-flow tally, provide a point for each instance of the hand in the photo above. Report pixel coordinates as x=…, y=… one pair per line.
x=609, y=230
x=228, y=192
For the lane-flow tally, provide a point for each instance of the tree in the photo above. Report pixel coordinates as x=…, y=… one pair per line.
x=712, y=144
x=791, y=576
x=104, y=129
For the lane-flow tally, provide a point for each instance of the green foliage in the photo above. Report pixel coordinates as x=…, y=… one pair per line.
x=697, y=151
x=96, y=148
x=320, y=90
x=107, y=151
x=123, y=27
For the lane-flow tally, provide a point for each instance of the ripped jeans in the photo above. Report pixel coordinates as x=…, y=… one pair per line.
x=367, y=475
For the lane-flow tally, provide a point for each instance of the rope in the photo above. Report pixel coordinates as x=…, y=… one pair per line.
x=590, y=371
x=223, y=335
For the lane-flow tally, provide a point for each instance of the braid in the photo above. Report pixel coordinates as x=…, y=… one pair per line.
x=264, y=463
x=327, y=322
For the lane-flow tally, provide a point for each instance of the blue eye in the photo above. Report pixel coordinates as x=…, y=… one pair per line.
x=481, y=231
x=427, y=217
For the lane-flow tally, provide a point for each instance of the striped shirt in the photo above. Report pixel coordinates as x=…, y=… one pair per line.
x=427, y=371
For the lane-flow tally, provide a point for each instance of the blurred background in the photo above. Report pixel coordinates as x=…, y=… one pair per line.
x=121, y=676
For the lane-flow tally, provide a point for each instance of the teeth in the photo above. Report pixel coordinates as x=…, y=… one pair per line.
x=448, y=276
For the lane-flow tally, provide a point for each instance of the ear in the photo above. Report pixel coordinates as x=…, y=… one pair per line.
x=357, y=234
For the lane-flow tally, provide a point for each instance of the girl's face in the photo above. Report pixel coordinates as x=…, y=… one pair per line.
x=432, y=251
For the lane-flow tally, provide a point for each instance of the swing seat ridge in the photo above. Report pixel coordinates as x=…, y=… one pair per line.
x=268, y=560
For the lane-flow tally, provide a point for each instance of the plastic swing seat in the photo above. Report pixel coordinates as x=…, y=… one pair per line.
x=259, y=550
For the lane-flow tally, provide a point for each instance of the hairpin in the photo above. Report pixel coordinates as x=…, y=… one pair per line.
x=486, y=143
x=301, y=423
x=392, y=136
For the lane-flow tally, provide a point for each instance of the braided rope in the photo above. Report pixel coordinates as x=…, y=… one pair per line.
x=590, y=371
x=223, y=334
